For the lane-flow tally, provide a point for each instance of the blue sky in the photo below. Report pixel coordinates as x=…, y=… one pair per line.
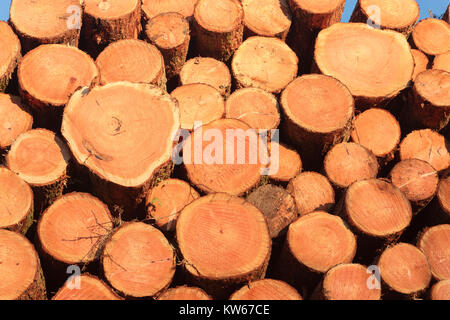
x=436, y=6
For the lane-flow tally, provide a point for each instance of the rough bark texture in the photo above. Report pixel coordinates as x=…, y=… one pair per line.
x=6, y=77
x=37, y=290
x=446, y=16
x=23, y=226
x=45, y=195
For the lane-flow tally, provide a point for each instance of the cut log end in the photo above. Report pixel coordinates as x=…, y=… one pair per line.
x=43, y=87
x=311, y=191
x=20, y=270
x=351, y=51
x=184, y=293
x=165, y=202
x=277, y=205
x=267, y=289
x=74, y=228
x=132, y=60
x=417, y=179
x=39, y=157
x=317, y=7
x=237, y=235
x=268, y=18
x=9, y=55
x=14, y=119
x=377, y=208
x=309, y=245
x=442, y=62
x=349, y=282
x=441, y=290
x=138, y=249
x=152, y=8
x=404, y=268
x=209, y=71
x=91, y=288
x=198, y=102
x=421, y=62
x=435, y=243
x=285, y=163
x=378, y=131
x=266, y=63
x=426, y=145
x=110, y=9
x=443, y=195
x=232, y=163
x=347, y=163
x=57, y=22
x=16, y=202
x=432, y=36
x=254, y=106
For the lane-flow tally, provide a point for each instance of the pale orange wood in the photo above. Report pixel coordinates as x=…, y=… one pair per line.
x=15, y=119
x=347, y=163
x=426, y=145
x=442, y=62
x=184, y=293
x=208, y=71
x=267, y=289
x=132, y=60
x=138, y=261
x=91, y=288
x=443, y=196
x=238, y=243
x=432, y=36
x=374, y=64
x=421, y=62
x=441, y=290
x=46, y=21
x=311, y=191
x=285, y=163
x=397, y=15
x=20, y=271
x=265, y=63
x=435, y=243
x=171, y=34
x=404, y=269
x=16, y=202
x=152, y=8
x=10, y=54
x=165, y=202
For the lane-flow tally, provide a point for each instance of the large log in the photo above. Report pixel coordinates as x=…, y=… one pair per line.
x=10, y=54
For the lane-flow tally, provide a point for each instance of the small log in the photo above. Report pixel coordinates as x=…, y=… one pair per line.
x=397, y=15
x=219, y=27
x=20, y=271
x=11, y=54
x=417, y=179
x=311, y=191
x=347, y=163
x=165, y=202
x=443, y=197
x=379, y=131
x=267, y=18
x=319, y=111
x=347, y=282
x=132, y=60
x=184, y=293
x=441, y=290
x=152, y=8
x=432, y=36
x=435, y=243
x=170, y=33
x=232, y=162
x=137, y=248
x=285, y=163
x=442, y=62
x=107, y=21
x=430, y=105
x=421, y=62
x=48, y=76
x=208, y=71
x=91, y=288
x=351, y=51
x=122, y=167
x=199, y=103
x=306, y=255
x=426, y=145
x=15, y=119
x=45, y=22
x=16, y=202
x=265, y=63
x=256, y=107
x=404, y=271
x=238, y=239
x=267, y=289
x=41, y=159
x=72, y=231
x=277, y=205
